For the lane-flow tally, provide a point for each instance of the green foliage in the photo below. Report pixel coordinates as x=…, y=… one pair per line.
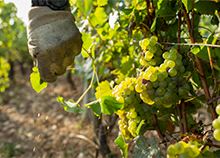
x=36, y=82
x=120, y=142
x=70, y=106
x=143, y=80
x=4, y=79
x=110, y=105
x=13, y=41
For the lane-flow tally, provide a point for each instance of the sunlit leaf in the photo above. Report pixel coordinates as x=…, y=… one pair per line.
x=110, y=105
x=120, y=142
x=103, y=89
x=70, y=106
x=36, y=81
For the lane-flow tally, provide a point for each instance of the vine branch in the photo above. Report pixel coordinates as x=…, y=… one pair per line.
x=198, y=61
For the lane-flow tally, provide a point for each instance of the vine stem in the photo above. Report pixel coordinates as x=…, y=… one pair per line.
x=179, y=108
x=198, y=61
x=157, y=127
x=183, y=105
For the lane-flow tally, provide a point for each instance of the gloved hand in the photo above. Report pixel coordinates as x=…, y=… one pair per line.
x=53, y=41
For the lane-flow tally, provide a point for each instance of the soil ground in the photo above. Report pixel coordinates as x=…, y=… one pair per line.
x=35, y=125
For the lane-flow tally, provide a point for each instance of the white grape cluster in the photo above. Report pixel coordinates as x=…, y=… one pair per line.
x=163, y=85
x=129, y=114
x=216, y=124
x=188, y=150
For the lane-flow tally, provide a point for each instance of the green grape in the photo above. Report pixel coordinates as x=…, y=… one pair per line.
x=148, y=55
x=127, y=91
x=170, y=63
x=152, y=62
x=195, y=150
x=153, y=77
x=184, y=155
x=168, y=96
x=163, y=67
x=166, y=55
x=182, y=91
x=173, y=50
x=160, y=91
x=179, y=147
x=179, y=56
x=160, y=77
x=133, y=114
x=158, y=101
x=132, y=124
x=149, y=85
x=209, y=154
x=153, y=49
x=163, y=84
x=151, y=93
x=216, y=134
x=171, y=85
x=218, y=109
x=150, y=69
x=155, y=84
x=171, y=150
x=144, y=43
x=153, y=40
x=172, y=56
x=138, y=88
x=178, y=62
x=189, y=152
x=137, y=119
x=182, y=69
x=172, y=72
x=128, y=100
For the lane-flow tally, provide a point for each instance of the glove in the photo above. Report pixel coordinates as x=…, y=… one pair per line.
x=53, y=41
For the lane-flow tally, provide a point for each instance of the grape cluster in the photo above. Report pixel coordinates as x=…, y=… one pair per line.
x=163, y=85
x=151, y=54
x=216, y=124
x=185, y=150
x=130, y=114
x=4, y=79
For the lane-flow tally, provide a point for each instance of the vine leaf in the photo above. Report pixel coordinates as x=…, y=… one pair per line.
x=103, y=89
x=142, y=150
x=87, y=42
x=36, y=82
x=110, y=105
x=95, y=106
x=70, y=106
x=102, y=2
x=209, y=6
x=99, y=17
x=120, y=142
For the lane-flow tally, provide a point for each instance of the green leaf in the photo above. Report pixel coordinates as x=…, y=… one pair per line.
x=195, y=49
x=120, y=142
x=188, y=4
x=87, y=42
x=36, y=82
x=95, y=106
x=102, y=2
x=141, y=149
x=103, y=89
x=206, y=7
x=139, y=127
x=70, y=106
x=99, y=17
x=110, y=105
x=85, y=6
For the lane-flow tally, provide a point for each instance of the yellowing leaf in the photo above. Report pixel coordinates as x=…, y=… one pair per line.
x=103, y=90
x=99, y=17
x=36, y=81
x=102, y=2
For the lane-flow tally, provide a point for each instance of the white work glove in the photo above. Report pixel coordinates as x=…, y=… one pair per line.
x=53, y=40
